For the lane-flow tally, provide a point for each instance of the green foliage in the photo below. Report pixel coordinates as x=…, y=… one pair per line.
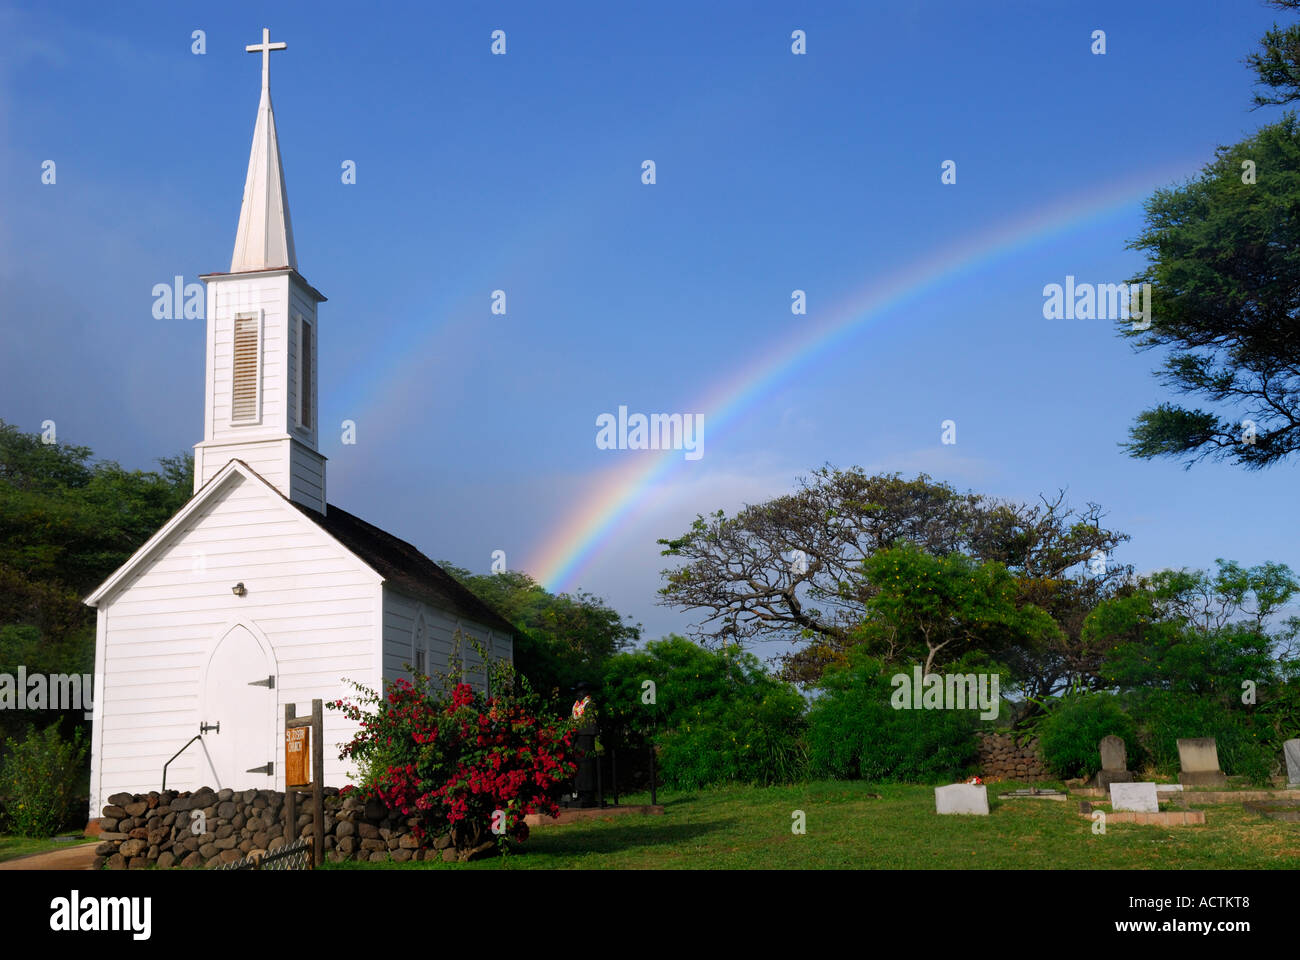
x=563, y=639
x=65, y=519
x=717, y=716
x=855, y=733
x=1277, y=64
x=1191, y=662
x=1180, y=646
x=1225, y=278
x=66, y=523
x=1165, y=716
x=1194, y=632
x=1071, y=728
x=791, y=569
x=44, y=778
x=934, y=609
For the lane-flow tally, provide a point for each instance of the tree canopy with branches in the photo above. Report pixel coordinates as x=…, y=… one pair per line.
x=792, y=569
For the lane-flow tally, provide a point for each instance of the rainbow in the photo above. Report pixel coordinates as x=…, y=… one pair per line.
x=571, y=545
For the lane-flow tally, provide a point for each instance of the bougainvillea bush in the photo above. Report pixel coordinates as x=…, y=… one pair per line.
x=451, y=758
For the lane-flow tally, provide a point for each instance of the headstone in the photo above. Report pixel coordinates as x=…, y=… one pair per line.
x=1291, y=750
x=1198, y=763
x=1113, y=754
x=1138, y=797
x=1114, y=763
x=962, y=798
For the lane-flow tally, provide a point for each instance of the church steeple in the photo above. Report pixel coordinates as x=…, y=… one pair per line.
x=264, y=240
x=260, y=403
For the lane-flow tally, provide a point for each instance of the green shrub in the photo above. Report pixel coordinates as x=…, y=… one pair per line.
x=43, y=779
x=716, y=716
x=1073, y=726
x=855, y=733
x=1164, y=716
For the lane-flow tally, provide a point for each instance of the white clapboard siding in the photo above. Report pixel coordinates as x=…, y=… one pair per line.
x=307, y=477
x=316, y=605
x=440, y=628
x=268, y=457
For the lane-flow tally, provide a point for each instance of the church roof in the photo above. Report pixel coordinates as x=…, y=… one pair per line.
x=396, y=562
x=264, y=239
x=404, y=567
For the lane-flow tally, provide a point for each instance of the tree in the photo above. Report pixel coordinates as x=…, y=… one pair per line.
x=714, y=716
x=939, y=609
x=1193, y=632
x=66, y=523
x=66, y=520
x=1195, y=654
x=1278, y=64
x=791, y=569
x=1224, y=265
x=563, y=639
x=1225, y=276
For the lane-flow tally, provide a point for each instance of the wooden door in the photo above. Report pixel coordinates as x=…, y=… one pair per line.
x=239, y=694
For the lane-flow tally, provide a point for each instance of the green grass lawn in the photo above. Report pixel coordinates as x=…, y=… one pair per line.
x=749, y=828
x=11, y=847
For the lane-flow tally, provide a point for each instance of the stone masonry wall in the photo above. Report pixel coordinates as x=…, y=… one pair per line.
x=155, y=829
x=1000, y=756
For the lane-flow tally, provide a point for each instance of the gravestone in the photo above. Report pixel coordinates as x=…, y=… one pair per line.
x=962, y=798
x=1114, y=763
x=1198, y=763
x=1291, y=750
x=1138, y=797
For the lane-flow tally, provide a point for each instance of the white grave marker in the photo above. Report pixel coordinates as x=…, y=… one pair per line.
x=962, y=798
x=1138, y=797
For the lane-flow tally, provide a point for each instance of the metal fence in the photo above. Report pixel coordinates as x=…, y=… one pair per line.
x=292, y=856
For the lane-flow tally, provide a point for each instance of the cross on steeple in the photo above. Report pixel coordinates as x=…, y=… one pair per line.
x=265, y=48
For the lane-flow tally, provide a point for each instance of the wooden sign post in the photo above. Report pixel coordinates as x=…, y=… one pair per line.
x=301, y=735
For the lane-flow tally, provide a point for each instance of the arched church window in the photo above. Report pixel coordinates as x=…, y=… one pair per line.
x=419, y=647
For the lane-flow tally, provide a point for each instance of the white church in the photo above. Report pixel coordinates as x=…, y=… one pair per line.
x=260, y=593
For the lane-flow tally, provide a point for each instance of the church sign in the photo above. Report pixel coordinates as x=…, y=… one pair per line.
x=297, y=768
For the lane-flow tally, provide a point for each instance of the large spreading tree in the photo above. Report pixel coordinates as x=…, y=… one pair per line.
x=794, y=569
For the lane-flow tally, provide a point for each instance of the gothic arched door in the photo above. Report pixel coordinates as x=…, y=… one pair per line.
x=239, y=696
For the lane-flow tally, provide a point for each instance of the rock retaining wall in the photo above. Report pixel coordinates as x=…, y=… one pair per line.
x=155, y=829
x=1000, y=756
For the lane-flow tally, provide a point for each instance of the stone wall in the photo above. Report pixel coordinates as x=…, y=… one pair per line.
x=1000, y=756
x=155, y=829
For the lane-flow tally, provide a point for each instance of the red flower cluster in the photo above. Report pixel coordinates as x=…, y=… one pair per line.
x=443, y=761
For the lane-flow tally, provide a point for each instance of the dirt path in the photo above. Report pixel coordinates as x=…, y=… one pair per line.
x=73, y=858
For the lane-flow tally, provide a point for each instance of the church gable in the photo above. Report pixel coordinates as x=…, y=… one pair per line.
x=238, y=512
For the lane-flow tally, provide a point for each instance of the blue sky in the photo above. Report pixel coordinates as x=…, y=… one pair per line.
x=522, y=172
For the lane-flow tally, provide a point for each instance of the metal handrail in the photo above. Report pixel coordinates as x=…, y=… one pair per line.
x=197, y=736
